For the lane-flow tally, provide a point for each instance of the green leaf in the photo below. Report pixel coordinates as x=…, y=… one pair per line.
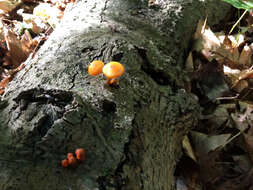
x=240, y=4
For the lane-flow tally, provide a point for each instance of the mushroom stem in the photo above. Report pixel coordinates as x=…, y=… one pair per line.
x=112, y=81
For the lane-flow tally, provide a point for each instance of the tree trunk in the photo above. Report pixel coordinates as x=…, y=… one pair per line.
x=131, y=133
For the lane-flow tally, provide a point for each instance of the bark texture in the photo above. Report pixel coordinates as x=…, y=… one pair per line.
x=132, y=133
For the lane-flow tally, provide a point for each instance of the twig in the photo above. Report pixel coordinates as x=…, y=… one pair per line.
x=237, y=21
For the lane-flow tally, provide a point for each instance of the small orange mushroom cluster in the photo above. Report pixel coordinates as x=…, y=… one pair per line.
x=112, y=70
x=73, y=161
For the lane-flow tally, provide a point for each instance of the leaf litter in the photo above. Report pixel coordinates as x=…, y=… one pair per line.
x=218, y=154
x=24, y=26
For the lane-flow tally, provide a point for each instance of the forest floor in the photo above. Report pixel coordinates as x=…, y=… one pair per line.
x=218, y=153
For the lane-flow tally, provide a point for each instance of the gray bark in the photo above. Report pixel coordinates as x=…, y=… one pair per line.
x=132, y=133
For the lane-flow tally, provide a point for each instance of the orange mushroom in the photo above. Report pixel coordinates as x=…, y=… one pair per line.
x=80, y=154
x=65, y=163
x=112, y=71
x=95, y=68
x=72, y=161
x=69, y=155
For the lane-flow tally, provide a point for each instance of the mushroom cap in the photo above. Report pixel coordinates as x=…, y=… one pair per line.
x=80, y=154
x=72, y=161
x=65, y=163
x=69, y=155
x=113, y=70
x=95, y=68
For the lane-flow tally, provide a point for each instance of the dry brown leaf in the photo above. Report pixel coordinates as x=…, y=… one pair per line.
x=243, y=162
x=188, y=148
x=245, y=56
x=240, y=86
x=38, y=26
x=242, y=182
x=244, y=122
x=189, y=66
x=1, y=30
x=235, y=76
x=227, y=54
x=248, y=138
x=245, y=74
x=210, y=43
x=18, y=53
x=211, y=81
x=206, y=41
x=4, y=83
x=199, y=30
x=236, y=40
x=8, y=5
x=8, y=78
x=27, y=43
x=228, y=71
x=204, y=144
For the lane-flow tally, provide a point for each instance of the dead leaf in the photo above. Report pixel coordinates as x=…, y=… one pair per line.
x=189, y=66
x=243, y=118
x=18, y=53
x=188, y=148
x=39, y=26
x=245, y=56
x=200, y=29
x=211, y=81
x=227, y=70
x=242, y=182
x=243, y=163
x=244, y=122
x=206, y=41
x=248, y=138
x=8, y=5
x=187, y=174
x=4, y=83
x=220, y=116
x=204, y=144
x=240, y=86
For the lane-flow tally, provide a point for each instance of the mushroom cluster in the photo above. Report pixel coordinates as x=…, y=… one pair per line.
x=112, y=70
x=73, y=161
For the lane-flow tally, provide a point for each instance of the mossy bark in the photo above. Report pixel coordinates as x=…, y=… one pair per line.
x=131, y=133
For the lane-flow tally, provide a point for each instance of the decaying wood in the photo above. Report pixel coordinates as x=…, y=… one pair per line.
x=132, y=133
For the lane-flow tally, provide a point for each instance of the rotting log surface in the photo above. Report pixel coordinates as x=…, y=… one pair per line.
x=132, y=134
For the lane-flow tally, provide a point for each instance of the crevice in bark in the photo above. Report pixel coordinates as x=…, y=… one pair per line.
x=44, y=125
x=73, y=80
x=100, y=53
x=102, y=19
x=56, y=97
x=3, y=104
x=117, y=57
x=51, y=103
x=117, y=180
x=109, y=107
x=158, y=76
x=87, y=49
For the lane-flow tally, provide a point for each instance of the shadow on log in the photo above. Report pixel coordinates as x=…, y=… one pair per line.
x=131, y=133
